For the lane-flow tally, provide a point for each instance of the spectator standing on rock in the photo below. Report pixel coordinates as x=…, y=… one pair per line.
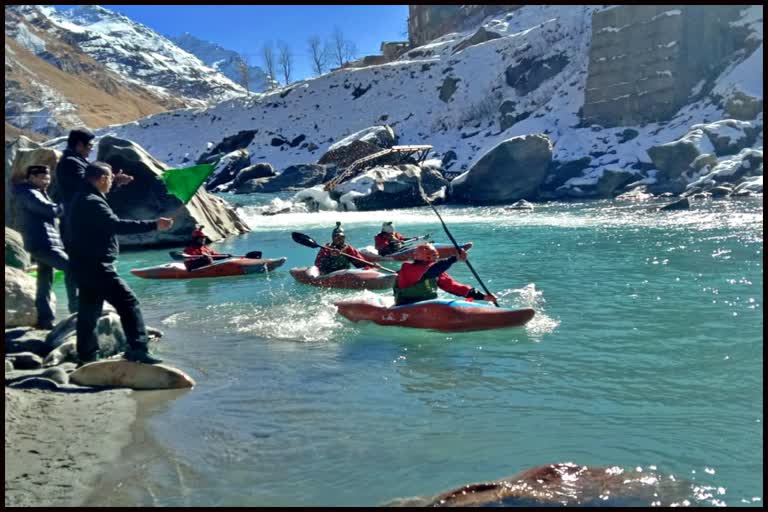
x=92, y=249
x=38, y=224
x=70, y=173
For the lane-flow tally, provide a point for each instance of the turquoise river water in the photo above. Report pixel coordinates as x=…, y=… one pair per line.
x=646, y=351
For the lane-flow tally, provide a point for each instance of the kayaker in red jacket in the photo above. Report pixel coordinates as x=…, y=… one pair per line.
x=389, y=240
x=198, y=247
x=331, y=260
x=420, y=280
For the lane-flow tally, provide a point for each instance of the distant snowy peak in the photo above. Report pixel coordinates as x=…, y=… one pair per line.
x=141, y=54
x=228, y=62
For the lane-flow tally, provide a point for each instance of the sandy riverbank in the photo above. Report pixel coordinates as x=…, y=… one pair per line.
x=58, y=444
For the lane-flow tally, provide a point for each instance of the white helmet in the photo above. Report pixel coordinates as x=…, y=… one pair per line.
x=387, y=228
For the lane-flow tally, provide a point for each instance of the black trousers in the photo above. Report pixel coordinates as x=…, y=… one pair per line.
x=98, y=284
x=47, y=260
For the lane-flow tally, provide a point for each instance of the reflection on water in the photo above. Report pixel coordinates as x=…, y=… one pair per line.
x=646, y=350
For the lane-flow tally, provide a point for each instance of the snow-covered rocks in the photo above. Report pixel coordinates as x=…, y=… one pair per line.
x=511, y=171
x=674, y=158
x=228, y=167
x=729, y=136
x=389, y=186
x=295, y=177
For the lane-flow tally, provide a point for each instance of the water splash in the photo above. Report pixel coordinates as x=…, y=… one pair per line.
x=529, y=297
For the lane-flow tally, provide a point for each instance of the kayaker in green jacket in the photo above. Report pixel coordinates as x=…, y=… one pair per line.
x=420, y=280
x=333, y=259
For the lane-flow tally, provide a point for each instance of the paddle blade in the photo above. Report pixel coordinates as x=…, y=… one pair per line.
x=301, y=238
x=256, y=255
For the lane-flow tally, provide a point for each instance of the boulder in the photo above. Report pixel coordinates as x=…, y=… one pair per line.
x=15, y=255
x=512, y=170
x=256, y=171
x=682, y=204
x=387, y=187
x=611, y=181
x=26, y=339
x=481, y=36
x=530, y=73
x=20, y=298
x=720, y=191
x=674, y=158
x=147, y=198
x=18, y=156
x=228, y=167
x=295, y=177
x=381, y=136
x=25, y=360
x=568, y=484
x=240, y=140
x=742, y=106
x=560, y=172
x=345, y=155
x=729, y=136
x=749, y=187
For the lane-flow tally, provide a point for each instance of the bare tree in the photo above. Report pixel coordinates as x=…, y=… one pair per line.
x=318, y=53
x=338, y=47
x=268, y=54
x=286, y=61
x=245, y=73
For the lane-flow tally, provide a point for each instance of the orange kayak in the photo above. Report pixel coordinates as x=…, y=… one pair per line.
x=224, y=268
x=444, y=250
x=356, y=279
x=437, y=314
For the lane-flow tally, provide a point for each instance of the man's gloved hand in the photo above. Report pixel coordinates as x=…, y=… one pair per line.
x=476, y=294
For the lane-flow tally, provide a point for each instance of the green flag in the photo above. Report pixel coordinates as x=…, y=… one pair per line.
x=183, y=183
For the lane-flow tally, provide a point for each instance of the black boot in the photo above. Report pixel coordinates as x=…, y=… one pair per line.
x=141, y=356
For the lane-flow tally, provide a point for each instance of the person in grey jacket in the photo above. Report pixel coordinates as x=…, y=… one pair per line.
x=38, y=224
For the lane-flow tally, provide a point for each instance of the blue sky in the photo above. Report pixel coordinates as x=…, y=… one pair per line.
x=244, y=28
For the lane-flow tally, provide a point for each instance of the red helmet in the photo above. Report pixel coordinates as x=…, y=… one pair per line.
x=426, y=252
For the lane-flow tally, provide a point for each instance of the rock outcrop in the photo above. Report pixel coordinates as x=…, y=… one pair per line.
x=19, y=155
x=386, y=187
x=147, y=198
x=19, y=298
x=511, y=171
x=228, y=168
x=15, y=255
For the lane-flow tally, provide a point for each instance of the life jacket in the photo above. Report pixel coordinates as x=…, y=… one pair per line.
x=387, y=243
x=423, y=290
x=331, y=262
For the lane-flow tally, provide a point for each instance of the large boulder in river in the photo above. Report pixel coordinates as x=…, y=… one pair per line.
x=511, y=171
x=15, y=255
x=147, y=198
x=228, y=167
x=254, y=172
x=20, y=291
x=19, y=155
x=568, y=484
x=674, y=158
x=389, y=186
x=295, y=177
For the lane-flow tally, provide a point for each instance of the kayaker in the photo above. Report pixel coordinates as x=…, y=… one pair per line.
x=333, y=259
x=420, y=280
x=389, y=240
x=198, y=247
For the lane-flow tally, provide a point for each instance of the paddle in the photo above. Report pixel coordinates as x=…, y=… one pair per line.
x=306, y=241
x=447, y=232
x=416, y=239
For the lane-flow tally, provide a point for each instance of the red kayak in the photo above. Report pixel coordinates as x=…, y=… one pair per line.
x=444, y=250
x=356, y=279
x=437, y=314
x=229, y=267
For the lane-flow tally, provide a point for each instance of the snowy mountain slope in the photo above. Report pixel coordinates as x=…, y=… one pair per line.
x=50, y=86
x=535, y=73
x=228, y=62
x=135, y=52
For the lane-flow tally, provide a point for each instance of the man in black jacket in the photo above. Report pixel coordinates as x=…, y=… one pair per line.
x=92, y=250
x=70, y=173
x=37, y=216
